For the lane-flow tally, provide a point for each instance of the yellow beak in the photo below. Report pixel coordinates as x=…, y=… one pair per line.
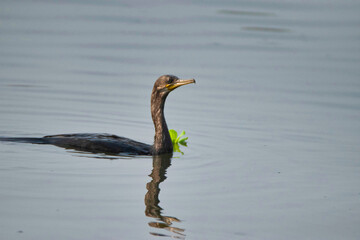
x=178, y=83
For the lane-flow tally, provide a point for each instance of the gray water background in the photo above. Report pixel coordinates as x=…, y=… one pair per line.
x=273, y=121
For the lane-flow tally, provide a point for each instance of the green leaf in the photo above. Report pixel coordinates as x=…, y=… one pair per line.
x=177, y=149
x=173, y=135
x=176, y=140
x=183, y=141
x=181, y=134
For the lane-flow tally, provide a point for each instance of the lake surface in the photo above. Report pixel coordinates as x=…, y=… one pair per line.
x=273, y=121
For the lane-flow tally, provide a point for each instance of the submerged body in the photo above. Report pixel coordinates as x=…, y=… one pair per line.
x=112, y=144
x=91, y=142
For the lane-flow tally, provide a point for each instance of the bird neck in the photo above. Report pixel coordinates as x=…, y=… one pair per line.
x=162, y=140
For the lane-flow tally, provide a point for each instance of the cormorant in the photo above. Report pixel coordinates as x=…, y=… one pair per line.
x=112, y=144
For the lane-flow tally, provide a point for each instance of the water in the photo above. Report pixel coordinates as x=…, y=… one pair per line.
x=273, y=121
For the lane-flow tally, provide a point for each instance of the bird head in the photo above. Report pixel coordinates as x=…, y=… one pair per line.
x=167, y=83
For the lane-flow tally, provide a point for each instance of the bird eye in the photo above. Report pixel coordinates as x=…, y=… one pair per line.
x=171, y=80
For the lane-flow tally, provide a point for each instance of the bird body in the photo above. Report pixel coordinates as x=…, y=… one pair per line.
x=112, y=144
x=99, y=143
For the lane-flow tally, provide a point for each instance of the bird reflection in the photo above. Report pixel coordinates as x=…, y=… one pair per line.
x=153, y=210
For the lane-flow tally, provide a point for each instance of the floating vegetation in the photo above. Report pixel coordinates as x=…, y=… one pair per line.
x=178, y=139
